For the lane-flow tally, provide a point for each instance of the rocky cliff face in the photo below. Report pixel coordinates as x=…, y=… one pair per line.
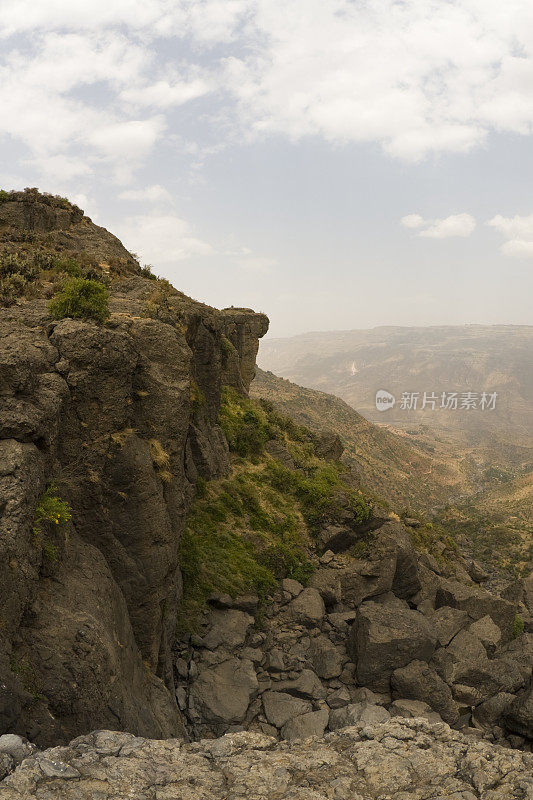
x=122, y=418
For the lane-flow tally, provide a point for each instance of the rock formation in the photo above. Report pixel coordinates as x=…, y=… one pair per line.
x=123, y=418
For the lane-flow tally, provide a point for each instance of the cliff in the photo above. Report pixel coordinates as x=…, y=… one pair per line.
x=117, y=421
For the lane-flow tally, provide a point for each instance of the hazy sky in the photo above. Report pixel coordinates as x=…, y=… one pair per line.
x=334, y=163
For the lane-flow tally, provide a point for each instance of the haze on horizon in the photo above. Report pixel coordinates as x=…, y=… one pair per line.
x=337, y=165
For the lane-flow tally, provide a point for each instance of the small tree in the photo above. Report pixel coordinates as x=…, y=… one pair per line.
x=81, y=298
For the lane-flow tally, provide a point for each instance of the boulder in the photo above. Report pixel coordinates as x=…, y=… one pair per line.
x=447, y=622
x=418, y=681
x=280, y=707
x=488, y=633
x=381, y=642
x=306, y=685
x=228, y=627
x=308, y=608
x=325, y=657
x=306, y=725
x=327, y=582
x=518, y=717
x=477, y=603
x=490, y=712
x=223, y=693
x=413, y=709
x=291, y=586
x=357, y=714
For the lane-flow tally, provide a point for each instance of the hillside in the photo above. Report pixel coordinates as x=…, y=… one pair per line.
x=498, y=522
x=403, y=469
x=354, y=365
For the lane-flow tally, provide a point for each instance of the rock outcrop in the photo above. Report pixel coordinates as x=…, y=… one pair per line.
x=407, y=759
x=122, y=417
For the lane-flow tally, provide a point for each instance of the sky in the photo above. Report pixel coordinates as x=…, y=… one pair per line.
x=339, y=164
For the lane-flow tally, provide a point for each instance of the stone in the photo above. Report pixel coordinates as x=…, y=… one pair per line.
x=278, y=451
x=224, y=692
x=488, y=634
x=228, y=627
x=448, y=622
x=477, y=603
x=418, y=681
x=16, y=746
x=518, y=717
x=291, y=586
x=338, y=698
x=381, y=642
x=246, y=602
x=308, y=608
x=489, y=678
x=490, y=712
x=327, y=582
x=466, y=646
x=413, y=709
x=280, y=707
x=220, y=600
x=306, y=685
x=276, y=660
x=303, y=727
x=357, y=714
x=325, y=657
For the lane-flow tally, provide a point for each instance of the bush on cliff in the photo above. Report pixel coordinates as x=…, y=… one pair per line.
x=80, y=298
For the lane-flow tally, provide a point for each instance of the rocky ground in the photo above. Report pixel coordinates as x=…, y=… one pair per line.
x=399, y=760
x=391, y=634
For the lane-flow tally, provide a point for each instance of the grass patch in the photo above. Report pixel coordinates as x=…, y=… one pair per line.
x=240, y=536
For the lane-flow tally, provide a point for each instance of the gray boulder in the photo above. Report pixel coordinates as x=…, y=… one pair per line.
x=308, y=608
x=325, y=657
x=327, y=582
x=381, y=642
x=357, y=714
x=224, y=692
x=306, y=685
x=448, y=622
x=477, y=603
x=229, y=627
x=518, y=718
x=418, y=681
x=280, y=707
x=413, y=709
x=306, y=725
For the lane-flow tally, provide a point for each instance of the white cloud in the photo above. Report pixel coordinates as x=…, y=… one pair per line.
x=412, y=221
x=163, y=94
x=455, y=225
x=151, y=194
x=160, y=239
x=518, y=232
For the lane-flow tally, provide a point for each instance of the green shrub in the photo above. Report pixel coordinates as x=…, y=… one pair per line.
x=4, y=196
x=518, y=627
x=80, y=298
x=51, y=509
x=11, y=288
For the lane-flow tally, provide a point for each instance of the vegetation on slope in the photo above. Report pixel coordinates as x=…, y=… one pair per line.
x=246, y=532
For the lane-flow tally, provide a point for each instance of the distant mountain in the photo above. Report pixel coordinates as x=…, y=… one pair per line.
x=354, y=365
